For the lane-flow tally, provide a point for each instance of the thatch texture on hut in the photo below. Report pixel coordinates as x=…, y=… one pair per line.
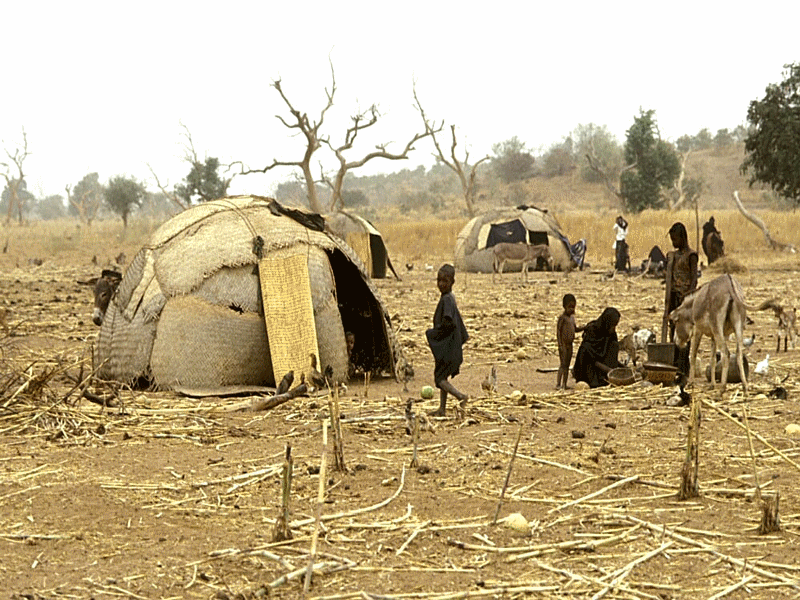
x=189, y=310
x=473, y=251
x=365, y=239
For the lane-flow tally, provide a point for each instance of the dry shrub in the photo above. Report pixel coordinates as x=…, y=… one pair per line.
x=727, y=264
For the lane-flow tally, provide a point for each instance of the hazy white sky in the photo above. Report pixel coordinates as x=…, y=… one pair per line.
x=104, y=86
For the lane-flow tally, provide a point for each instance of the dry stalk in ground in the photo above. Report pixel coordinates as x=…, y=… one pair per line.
x=282, y=531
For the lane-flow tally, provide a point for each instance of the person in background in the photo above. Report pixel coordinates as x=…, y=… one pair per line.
x=621, y=258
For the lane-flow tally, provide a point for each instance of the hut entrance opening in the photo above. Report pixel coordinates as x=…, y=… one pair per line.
x=361, y=315
x=513, y=232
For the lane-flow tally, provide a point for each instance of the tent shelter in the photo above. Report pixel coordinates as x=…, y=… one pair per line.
x=239, y=291
x=526, y=224
x=364, y=239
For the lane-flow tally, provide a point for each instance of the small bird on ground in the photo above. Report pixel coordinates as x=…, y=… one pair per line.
x=409, y=266
x=285, y=383
x=328, y=374
x=317, y=380
x=749, y=341
x=679, y=398
x=762, y=366
x=406, y=374
x=490, y=383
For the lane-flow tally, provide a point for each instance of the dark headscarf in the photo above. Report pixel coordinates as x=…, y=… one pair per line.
x=599, y=344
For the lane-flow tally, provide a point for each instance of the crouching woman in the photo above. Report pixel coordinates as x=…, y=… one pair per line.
x=599, y=349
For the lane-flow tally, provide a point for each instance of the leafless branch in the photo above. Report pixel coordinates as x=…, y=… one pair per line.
x=681, y=198
x=594, y=164
x=453, y=162
x=14, y=180
x=755, y=220
x=164, y=190
x=301, y=122
x=360, y=122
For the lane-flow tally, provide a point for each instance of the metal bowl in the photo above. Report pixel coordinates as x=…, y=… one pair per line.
x=621, y=376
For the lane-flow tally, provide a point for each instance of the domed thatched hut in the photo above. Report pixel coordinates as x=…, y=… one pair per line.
x=238, y=292
x=364, y=239
x=526, y=224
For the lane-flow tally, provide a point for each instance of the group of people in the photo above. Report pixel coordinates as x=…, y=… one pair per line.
x=599, y=347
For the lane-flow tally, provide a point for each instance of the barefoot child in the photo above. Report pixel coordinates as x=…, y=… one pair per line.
x=446, y=338
x=565, y=334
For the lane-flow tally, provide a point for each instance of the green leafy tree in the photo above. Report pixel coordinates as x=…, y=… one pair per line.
x=203, y=183
x=772, y=146
x=51, y=207
x=512, y=160
x=123, y=194
x=654, y=165
x=685, y=144
x=558, y=160
x=703, y=140
x=723, y=139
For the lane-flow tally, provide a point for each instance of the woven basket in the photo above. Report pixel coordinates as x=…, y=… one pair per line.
x=661, y=376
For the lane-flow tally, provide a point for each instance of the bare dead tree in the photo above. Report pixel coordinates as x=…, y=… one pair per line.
x=453, y=162
x=774, y=244
x=15, y=177
x=301, y=122
x=680, y=193
x=360, y=122
x=87, y=207
x=596, y=166
x=166, y=191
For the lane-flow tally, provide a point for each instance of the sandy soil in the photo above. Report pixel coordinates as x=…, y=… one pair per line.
x=164, y=496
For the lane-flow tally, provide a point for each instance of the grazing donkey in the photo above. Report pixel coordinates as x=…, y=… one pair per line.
x=524, y=253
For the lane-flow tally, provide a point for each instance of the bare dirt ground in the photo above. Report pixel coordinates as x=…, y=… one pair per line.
x=172, y=497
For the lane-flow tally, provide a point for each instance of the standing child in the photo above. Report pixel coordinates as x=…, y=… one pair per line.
x=565, y=334
x=446, y=338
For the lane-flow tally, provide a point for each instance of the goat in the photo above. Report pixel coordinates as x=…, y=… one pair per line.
x=716, y=309
x=787, y=325
x=524, y=253
x=635, y=342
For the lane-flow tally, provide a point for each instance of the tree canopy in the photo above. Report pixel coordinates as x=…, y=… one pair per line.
x=512, y=160
x=604, y=148
x=653, y=164
x=123, y=194
x=772, y=146
x=85, y=199
x=203, y=183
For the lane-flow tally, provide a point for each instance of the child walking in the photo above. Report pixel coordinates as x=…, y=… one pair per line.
x=446, y=338
x=565, y=334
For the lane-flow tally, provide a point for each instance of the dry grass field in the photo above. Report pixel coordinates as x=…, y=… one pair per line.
x=165, y=496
